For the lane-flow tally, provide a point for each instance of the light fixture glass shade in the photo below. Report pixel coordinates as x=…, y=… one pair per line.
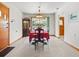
x=39, y=16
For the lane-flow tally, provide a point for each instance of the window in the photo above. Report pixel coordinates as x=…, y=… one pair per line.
x=43, y=22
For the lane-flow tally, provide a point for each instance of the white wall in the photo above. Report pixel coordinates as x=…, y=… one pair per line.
x=51, y=22
x=16, y=25
x=57, y=24
x=71, y=27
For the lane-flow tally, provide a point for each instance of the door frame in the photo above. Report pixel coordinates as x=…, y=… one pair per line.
x=25, y=19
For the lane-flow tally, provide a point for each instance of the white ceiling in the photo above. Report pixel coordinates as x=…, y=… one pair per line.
x=32, y=7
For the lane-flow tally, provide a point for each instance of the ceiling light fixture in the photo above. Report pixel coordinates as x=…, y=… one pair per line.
x=39, y=14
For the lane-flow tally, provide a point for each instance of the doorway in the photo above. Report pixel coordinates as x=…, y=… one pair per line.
x=61, y=26
x=26, y=26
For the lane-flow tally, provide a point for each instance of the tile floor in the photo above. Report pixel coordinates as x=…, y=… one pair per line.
x=55, y=48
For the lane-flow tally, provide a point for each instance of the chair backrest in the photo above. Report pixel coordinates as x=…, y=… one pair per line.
x=39, y=33
x=36, y=31
x=39, y=30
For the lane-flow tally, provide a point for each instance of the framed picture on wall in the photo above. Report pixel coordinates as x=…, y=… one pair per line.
x=73, y=16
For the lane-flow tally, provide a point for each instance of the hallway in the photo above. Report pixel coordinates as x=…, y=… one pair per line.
x=20, y=20
x=55, y=48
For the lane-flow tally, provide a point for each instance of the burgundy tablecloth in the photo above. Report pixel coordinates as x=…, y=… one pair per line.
x=32, y=35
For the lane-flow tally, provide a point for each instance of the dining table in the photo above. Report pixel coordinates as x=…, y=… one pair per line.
x=33, y=35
